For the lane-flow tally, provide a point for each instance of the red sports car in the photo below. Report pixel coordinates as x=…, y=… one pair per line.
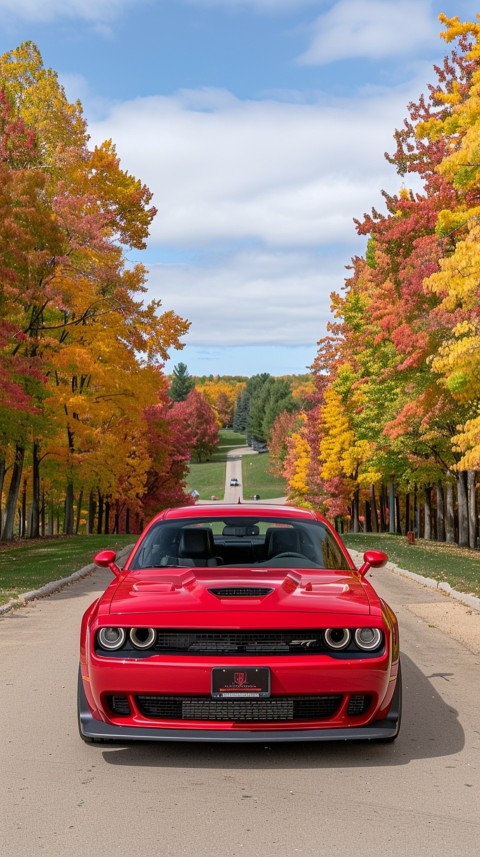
x=239, y=623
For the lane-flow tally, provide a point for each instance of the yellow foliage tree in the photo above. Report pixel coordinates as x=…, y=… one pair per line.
x=456, y=284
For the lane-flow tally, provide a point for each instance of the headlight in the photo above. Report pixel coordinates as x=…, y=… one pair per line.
x=337, y=638
x=368, y=638
x=111, y=638
x=142, y=638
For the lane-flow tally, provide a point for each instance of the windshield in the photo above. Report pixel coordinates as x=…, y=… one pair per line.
x=236, y=542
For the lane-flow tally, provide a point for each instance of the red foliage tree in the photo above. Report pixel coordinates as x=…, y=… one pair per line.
x=169, y=444
x=199, y=418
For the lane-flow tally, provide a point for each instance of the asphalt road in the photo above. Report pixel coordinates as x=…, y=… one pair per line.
x=58, y=796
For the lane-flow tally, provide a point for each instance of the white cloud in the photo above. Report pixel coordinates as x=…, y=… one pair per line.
x=286, y=174
x=93, y=11
x=373, y=29
x=251, y=297
x=279, y=180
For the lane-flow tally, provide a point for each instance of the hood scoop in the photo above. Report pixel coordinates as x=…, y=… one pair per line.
x=241, y=591
x=327, y=588
x=162, y=585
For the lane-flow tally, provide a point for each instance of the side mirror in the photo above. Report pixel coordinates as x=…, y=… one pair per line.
x=106, y=559
x=372, y=559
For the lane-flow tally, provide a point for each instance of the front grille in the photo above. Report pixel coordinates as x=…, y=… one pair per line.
x=119, y=705
x=280, y=708
x=239, y=642
x=241, y=591
x=358, y=705
x=226, y=643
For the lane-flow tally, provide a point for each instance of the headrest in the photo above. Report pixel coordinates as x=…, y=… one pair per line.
x=282, y=540
x=196, y=542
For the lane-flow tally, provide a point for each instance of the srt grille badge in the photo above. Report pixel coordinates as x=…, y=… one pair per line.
x=305, y=644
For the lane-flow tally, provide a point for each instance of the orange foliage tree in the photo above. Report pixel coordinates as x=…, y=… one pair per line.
x=75, y=311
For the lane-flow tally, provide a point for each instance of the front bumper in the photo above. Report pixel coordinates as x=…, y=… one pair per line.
x=93, y=729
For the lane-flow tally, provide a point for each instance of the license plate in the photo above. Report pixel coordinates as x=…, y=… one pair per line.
x=240, y=682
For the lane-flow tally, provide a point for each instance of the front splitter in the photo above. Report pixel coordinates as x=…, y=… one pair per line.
x=97, y=730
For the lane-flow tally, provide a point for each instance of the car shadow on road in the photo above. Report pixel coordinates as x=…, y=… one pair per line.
x=430, y=728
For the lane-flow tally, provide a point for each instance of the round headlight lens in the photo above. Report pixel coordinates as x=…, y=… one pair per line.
x=368, y=638
x=142, y=638
x=111, y=638
x=337, y=638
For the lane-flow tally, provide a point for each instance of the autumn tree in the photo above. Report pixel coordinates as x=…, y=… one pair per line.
x=394, y=412
x=200, y=420
x=78, y=305
x=169, y=441
x=222, y=393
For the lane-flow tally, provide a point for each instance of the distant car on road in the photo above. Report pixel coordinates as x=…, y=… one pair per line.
x=234, y=483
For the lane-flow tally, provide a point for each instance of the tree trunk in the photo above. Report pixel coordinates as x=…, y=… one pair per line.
x=355, y=510
x=116, y=520
x=127, y=521
x=34, y=516
x=373, y=506
x=450, y=514
x=440, y=512
x=79, y=511
x=92, y=507
x=462, y=509
x=368, y=517
x=383, y=507
x=391, y=507
x=3, y=470
x=407, y=513
x=12, y=498
x=398, y=520
x=472, y=509
x=68, y=518
x=23, y=511
x=42, y=515
x=415, y=514
x=107, y=517
x=51, y=519
x=100, y=514
x=427, y=528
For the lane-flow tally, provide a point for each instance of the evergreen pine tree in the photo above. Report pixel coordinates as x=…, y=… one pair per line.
x=182, y=383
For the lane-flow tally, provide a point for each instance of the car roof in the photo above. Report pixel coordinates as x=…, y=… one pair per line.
x=238, y=510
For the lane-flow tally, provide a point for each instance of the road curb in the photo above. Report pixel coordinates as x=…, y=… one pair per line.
x=55, y=585
x=468, y=600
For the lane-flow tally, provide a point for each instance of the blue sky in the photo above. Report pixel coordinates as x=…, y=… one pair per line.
x=261, y=127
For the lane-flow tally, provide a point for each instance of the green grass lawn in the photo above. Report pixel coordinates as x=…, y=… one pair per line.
x=29, y=565
x=208, y=479
x=257, y=479
x=459, y=567
x=231, y=438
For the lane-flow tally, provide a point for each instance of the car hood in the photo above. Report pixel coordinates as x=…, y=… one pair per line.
x=226, y=591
